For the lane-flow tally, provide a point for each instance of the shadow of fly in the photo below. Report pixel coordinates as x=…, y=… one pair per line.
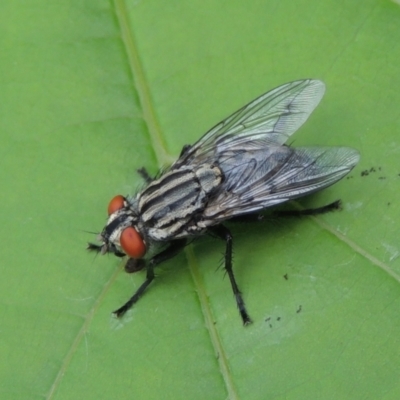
x=237, y=169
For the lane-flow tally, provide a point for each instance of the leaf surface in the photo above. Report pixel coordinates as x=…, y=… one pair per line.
x=90, y=92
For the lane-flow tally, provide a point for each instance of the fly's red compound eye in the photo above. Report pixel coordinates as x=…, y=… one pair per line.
x=132, y=243
x=115, y=204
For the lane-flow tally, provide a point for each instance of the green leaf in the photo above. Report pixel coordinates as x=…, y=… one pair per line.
x=93, y=90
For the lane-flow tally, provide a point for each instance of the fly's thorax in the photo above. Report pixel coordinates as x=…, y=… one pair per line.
x=169, y=206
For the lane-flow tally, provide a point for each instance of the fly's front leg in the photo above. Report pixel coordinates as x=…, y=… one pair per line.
x=172, y=250
x=145, y=175
x=134, y=265
x=224, y=233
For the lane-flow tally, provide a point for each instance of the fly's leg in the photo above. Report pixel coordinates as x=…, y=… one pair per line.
x=224, y=233
x=336, y=205
x=256, y=217
x=134, y=265
x=172, y=250
x=145, y=175
x=185, y=148
x=149, y=278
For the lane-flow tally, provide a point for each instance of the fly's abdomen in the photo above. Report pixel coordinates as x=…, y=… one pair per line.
x=168, y=205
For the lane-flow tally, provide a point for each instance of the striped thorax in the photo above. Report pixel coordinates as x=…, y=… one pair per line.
x=169, y=205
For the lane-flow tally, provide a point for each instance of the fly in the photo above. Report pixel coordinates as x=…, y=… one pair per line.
x=237, y=169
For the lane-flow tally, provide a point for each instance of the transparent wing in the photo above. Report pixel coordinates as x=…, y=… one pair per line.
x=271, y=118
x=260, y=177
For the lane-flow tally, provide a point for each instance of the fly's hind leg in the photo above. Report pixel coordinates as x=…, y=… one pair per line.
x=224, y=233
x=172, y=250
x=256, y=217
x=336, y=205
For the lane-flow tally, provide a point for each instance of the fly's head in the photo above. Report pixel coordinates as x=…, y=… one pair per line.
x=120, y=235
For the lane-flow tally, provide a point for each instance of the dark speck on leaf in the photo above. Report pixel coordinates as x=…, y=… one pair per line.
x=299, y=309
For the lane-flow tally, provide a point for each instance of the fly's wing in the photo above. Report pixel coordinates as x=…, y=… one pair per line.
x=271, y=118
x=257, y=177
